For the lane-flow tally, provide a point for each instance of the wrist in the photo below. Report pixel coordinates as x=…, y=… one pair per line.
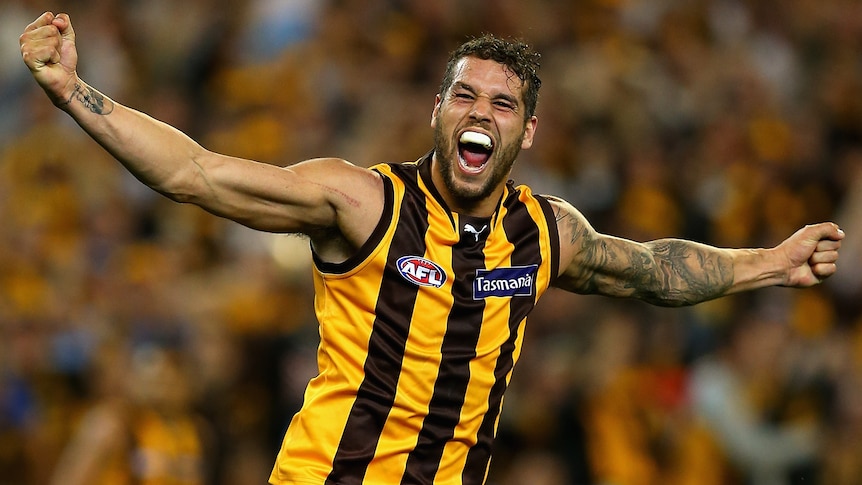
x=759, y=268
x=83, y=99
x=62, y=98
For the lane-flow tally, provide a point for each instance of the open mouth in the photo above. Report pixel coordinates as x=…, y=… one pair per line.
x=474, y=150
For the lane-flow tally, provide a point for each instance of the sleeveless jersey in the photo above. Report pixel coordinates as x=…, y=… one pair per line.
x=419, y=333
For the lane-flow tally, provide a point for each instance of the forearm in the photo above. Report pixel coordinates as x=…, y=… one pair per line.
x=677, y=272
x=156, y=153
x=682, y=272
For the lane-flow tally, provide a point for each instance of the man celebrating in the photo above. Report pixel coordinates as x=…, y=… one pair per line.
x=424, y=272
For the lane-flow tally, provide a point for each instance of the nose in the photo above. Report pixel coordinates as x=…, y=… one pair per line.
x=481, y=109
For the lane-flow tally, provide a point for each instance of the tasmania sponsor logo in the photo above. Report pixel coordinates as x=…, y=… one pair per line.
x=421, y=271
x=505, y=282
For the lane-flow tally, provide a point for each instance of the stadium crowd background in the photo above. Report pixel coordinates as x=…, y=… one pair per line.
x=732, y=122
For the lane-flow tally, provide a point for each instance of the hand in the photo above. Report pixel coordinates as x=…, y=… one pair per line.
x=48, y=49
x=812, y=253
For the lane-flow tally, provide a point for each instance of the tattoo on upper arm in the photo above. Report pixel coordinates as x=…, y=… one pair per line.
x=569, y=223
x=592, y=253
x=93, y=100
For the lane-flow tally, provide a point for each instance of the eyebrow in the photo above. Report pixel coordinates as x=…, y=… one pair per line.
x=503, y=96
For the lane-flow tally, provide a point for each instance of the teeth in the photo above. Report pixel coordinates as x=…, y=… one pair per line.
x=477, y=139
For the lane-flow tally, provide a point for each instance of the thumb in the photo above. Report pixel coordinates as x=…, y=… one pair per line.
x=826, y=231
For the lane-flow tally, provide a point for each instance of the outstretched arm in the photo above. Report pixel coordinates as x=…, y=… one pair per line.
x=675, y=272
x=305, y=198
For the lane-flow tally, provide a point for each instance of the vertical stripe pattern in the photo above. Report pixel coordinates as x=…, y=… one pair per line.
x=376, y=394
x=462, y=331
x=415, y=354
x=522, y=231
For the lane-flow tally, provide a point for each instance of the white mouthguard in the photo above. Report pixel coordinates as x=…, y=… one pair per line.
x=477, y=139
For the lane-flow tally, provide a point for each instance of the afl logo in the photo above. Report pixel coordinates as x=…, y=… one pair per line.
x=421, y=271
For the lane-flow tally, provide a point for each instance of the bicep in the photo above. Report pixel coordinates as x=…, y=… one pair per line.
x=301, y=198
x=595, y=263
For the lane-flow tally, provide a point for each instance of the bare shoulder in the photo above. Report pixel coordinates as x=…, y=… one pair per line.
x=571, y=224
x=345, y=186
x=335, y=169
x=350, y=188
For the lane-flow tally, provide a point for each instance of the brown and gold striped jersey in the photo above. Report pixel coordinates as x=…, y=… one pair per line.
x=419, y=333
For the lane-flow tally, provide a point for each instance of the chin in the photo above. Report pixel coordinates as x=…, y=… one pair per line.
x=469, y=187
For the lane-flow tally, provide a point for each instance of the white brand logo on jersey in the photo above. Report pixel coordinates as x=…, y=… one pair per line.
x=476, y=232
x=421, y=271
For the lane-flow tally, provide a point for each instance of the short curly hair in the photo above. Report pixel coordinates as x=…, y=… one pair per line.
x=515, y=54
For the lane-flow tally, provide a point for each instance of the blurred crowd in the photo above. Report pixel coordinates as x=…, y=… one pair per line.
x=143, y=341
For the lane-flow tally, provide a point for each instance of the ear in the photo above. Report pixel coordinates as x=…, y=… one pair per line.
x=436, y=111
x=529, y=132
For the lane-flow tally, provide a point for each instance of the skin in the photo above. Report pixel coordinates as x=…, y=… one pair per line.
x=307, y=197
x=485, y=97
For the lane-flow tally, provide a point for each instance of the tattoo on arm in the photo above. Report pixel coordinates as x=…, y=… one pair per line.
x=93, y=100
x=570, y=224
x=667, y=272
x=582, y=276
x=689, y=272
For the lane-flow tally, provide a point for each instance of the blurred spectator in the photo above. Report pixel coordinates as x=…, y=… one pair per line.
x=727, y=121
x=143, y=429
x=764, y=424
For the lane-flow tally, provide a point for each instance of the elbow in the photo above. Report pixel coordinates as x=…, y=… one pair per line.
x=674, y=303
x=180, y=197
x=667, y=300
x=679, y=286
x=177, y=191
x=675, y=298
x=660, y=292
x=189, y=185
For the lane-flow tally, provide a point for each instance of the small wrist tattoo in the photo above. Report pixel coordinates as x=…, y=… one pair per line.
x=93, y=100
